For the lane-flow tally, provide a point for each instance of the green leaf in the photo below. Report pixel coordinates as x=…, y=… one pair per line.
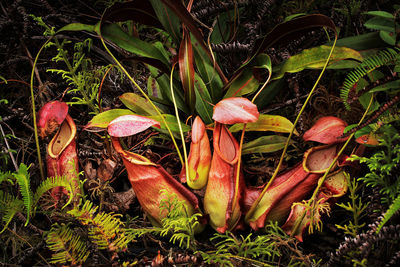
x=294, y=16
x=263, y=61
x=386, y=86
x=265, y=144
x=115, y=34
x=102, y=119
x=247, y=82
x=23, y=180
x=207, y=72
x=137, y=104
x=364, y=41
x=77, y=27
x=137, y=11
x=267, y=122
x=363, y=131
x=171, y=121
x=203, y=100
x=168, y=19
x=364, y=101
x=388, y=37
x=186, y=70
x=161, y=85
x=288, y=31
x=379, y=23
x=244, y=84
x=382, y=14
x=154, y=91
x=223, y=29
x=343, y=64
x=315, y=58
x=269, y=93
x=172, y=14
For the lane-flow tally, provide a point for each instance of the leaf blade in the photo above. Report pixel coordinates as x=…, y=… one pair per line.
x=267, y=122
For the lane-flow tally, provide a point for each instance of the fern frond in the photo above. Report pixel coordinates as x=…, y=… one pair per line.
x=67, y=245
x=139, y=232
x=106, y=229
x=51, y=183
x=9, y=206
x=384, y=57
x=85, y=213
x=390, y=117
x=23, y=180
x=389, y=213
x=127, y=237
x=258, y=250
x=5, y=176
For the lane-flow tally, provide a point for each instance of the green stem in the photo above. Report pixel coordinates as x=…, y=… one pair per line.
x=178, y=121
x=34, y=110
x=241, y=144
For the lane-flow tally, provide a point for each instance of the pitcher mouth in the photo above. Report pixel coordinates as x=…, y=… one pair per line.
x=318, y=159
x=64, y=136
x=222, y=137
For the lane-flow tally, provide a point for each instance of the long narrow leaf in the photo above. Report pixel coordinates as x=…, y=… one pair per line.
x=203, y=100
x=160, y=83
x=287, y=32
x=102, y=119
x=115, y=34
x=205, y=68
x=186, y=70
x=180, y=10
x=168, y=19
x=266, y=122
x=248, y=81
x=137, y=11
x=264, y=144
x=314, y=58
x=137, y=104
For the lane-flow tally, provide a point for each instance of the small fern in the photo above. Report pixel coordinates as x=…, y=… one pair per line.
x=83, y=79
x=178, y=223
x=106, y=229
x=383, y=165
x=51, y=183
x=262, y=250
x=66, y=245
x=355, y=206
x=389, y=213
x=9, y=206
x=23, y=179
x=6, y=177
x=384, y=57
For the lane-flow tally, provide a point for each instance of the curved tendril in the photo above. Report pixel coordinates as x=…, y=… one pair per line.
x=275, y=174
